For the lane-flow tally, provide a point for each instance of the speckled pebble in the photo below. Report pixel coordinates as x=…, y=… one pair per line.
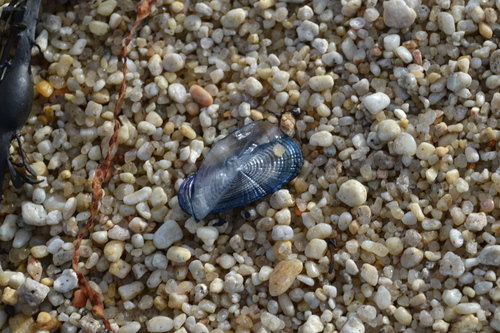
x=376, y=102
x=397, y=14
x=451, y=265
x=67, y=281
x=283, y=275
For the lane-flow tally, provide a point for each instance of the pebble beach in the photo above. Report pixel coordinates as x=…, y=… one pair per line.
x=399, y=130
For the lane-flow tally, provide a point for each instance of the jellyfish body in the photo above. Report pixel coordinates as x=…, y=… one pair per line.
x=248, y=164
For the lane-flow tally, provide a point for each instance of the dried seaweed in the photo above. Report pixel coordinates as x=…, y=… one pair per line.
x=104, y=173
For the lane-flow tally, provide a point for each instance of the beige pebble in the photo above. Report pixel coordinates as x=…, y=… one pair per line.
x=178, y=254
x=283, y=275
x=201, y=96
x=187, y=131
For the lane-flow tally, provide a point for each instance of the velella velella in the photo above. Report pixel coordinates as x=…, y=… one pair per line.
x=248, y=164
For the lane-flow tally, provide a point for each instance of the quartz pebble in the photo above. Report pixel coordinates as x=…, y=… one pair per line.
x=322, y=139
x=67, y=281
x=167, y=234
x=283, y=275
x=397, y=14
x=352, y=193
x=376, y=102
x=33, y=292
x=451, y=265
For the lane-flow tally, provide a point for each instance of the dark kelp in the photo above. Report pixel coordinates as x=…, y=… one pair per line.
x=16, y=84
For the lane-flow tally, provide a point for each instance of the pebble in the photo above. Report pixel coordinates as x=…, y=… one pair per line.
x=159, y=324
x=321, y=82
x=253, y=87
x=411, y=257
x=307, y=31
x=405, y=144
x=397, y=14
x=446, y=23
x=271, y=322
x=34, y=214
x=129, y=291
x=281, y=199
x=451, y=265
x=173, y=62
x=369, y=274
x=200, y=95
x=316, y=248
x=476, y=221
x=208, y=235
x=177, y=92
x=283, y=275
x=33, y=292
x=383, y=298
x=495, y=61
x=167, y=234
x=8, y=228
x=138, y=196
x=352, y=193
x=353, y=325
x=313, y=325
x=234, y=18
x=178, y=254
x=403, y=316
x=113, y=250
x=388, y=130
x=67, y=281
x=490, y=255
x=376, y=102
x=322, y=139
x=457, y=81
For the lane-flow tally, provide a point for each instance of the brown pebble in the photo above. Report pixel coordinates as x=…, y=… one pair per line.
x=283, y=275
x=200, y=95
x=34, y=269
x=79, y=299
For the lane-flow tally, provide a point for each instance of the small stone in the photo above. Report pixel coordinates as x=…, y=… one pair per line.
x=106, y=8
x=233, y=18
x=178, y=254
x=403, y=316
x=283, y=275
x=353, y=325
x=446, y=23
x=281, y=199
x=369, y=273
x=313, y=325
x=452, y=297
x=120, y=268
x=465, y=324
x=79, y=299
x=322, y=139
x=451, y=265
x=307, y=31
x=98, y=28
x=114, y=250
x=33, y=292
x=138, y=196
x=376, y=102
x=495, y=62
x=367, y=313
x=129, y=291
x=173, y=62
x=8, y=228
x=411, y=257
x=207, y=234
x=316, y=248
x=383, y=298
x=67, y=281
x=457, y=81
x=321, y=82
x=388, y=130
x=177, y=92
x=490, y=255
x=397, y=14
x=476, y=221
x=34, y=214
x=167, y=234
x=405, y=144
x=352, y=193
x=201, y=96
x=159, y=324
x=253, y=87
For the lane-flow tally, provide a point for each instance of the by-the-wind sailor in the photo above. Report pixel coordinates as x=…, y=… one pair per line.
x=248, y=164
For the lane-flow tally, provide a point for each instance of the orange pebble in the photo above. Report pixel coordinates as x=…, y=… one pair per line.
x=200, y=95
x=79, y=299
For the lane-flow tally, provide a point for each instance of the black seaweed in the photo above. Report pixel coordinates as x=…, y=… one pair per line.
x=17, y=29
